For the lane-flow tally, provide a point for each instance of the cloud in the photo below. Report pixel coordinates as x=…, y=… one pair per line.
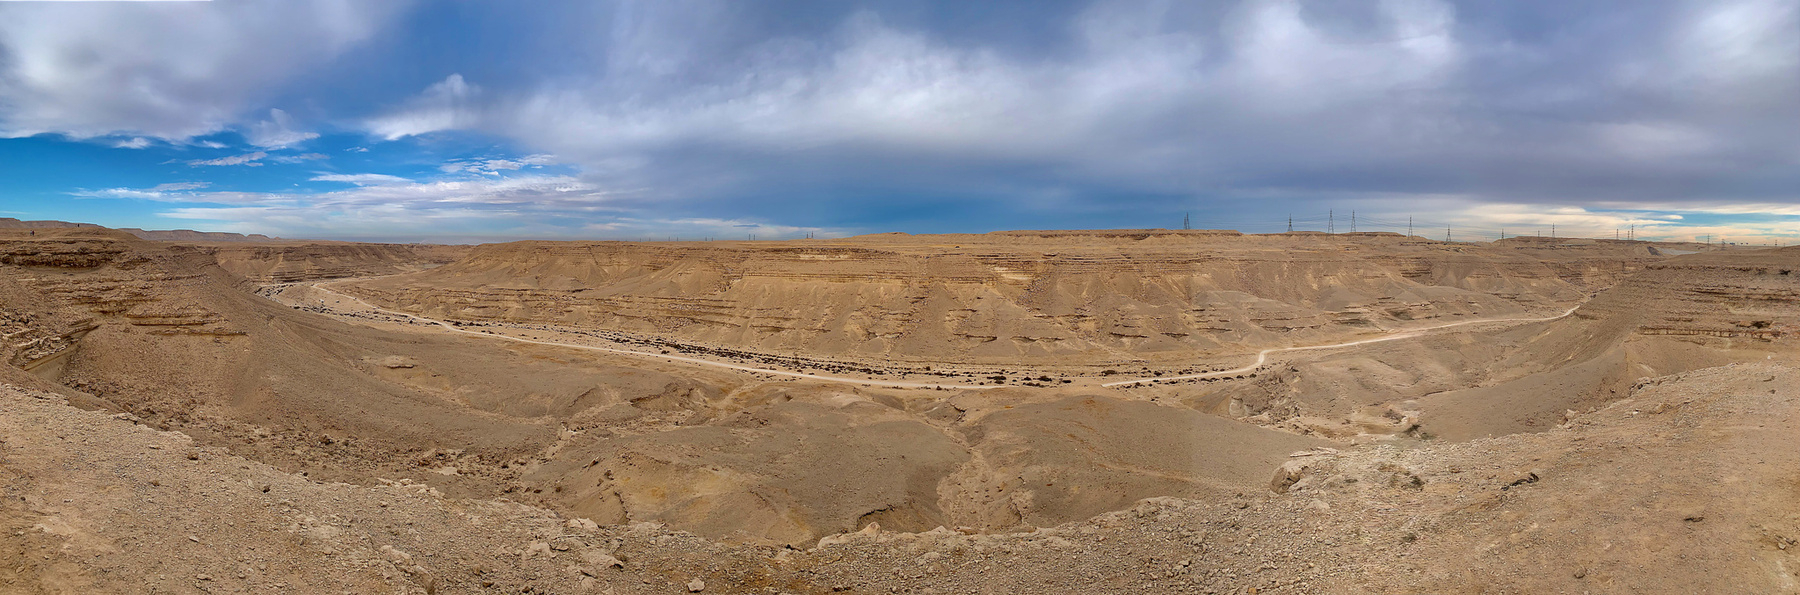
x=444, y=105
x=173, y=191
x=247, y=159
x=1120, y=106
x=179, y=186
x=950, y=116
x=361, y=179
x=1146, y=99
x=495, y=166
x=164, y=70
x=379, y=205
x=700, y=228
x=132, y=143
x=276, y=132
x=303, y=157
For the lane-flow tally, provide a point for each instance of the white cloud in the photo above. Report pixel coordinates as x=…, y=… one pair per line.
x=276, y=132
x=173, y=191
x=445, y=105
x=179, y=186
x=361, y=179
x=165, y=70
x=495, y=166
x=133, y=143
x=697, y=228
x=299, y=158
x=380, y=206
x=247, y=159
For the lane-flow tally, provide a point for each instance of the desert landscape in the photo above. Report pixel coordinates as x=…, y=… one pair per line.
x=1130, y=411
x=926, y=297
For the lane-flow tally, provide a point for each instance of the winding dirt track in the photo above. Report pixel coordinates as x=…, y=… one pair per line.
x=1262, y=357
x=678, y=358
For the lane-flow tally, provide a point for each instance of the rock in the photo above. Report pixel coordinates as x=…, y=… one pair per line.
x=600, y=561
x=1527, y=478
x=1288, y=474
x=393, y=555
x=397, y=362
x=696, y=586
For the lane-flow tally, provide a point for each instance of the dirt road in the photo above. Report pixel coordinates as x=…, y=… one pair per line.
x=1262, y=357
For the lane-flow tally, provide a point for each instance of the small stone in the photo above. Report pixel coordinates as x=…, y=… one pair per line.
x=696, y=586
x=393, y=555
x=202, y=577
x=602, y=561
x=1582, y=573
x=193, y=539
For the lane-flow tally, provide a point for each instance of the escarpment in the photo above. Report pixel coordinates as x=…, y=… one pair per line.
x=1040, y=298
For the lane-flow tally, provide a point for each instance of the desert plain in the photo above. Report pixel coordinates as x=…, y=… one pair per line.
x=1101, y=411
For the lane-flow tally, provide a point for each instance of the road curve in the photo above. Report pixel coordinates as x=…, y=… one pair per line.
x=691, y=360
x=1263, y=356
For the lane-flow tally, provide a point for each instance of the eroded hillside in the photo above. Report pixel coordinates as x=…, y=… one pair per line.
x=1685, y=486
x=1082, y=300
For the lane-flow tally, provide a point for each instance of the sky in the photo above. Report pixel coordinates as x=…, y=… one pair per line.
x=467, y=121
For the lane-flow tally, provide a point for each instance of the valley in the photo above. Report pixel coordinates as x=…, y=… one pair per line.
x=1135, y=409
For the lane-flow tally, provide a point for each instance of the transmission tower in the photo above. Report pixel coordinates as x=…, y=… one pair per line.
x=1185, y=222
x=1352, y=221
x=1331, y=221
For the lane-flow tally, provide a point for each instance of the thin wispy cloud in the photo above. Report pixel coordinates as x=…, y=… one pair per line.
x=247, y=159
x=277, y=132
